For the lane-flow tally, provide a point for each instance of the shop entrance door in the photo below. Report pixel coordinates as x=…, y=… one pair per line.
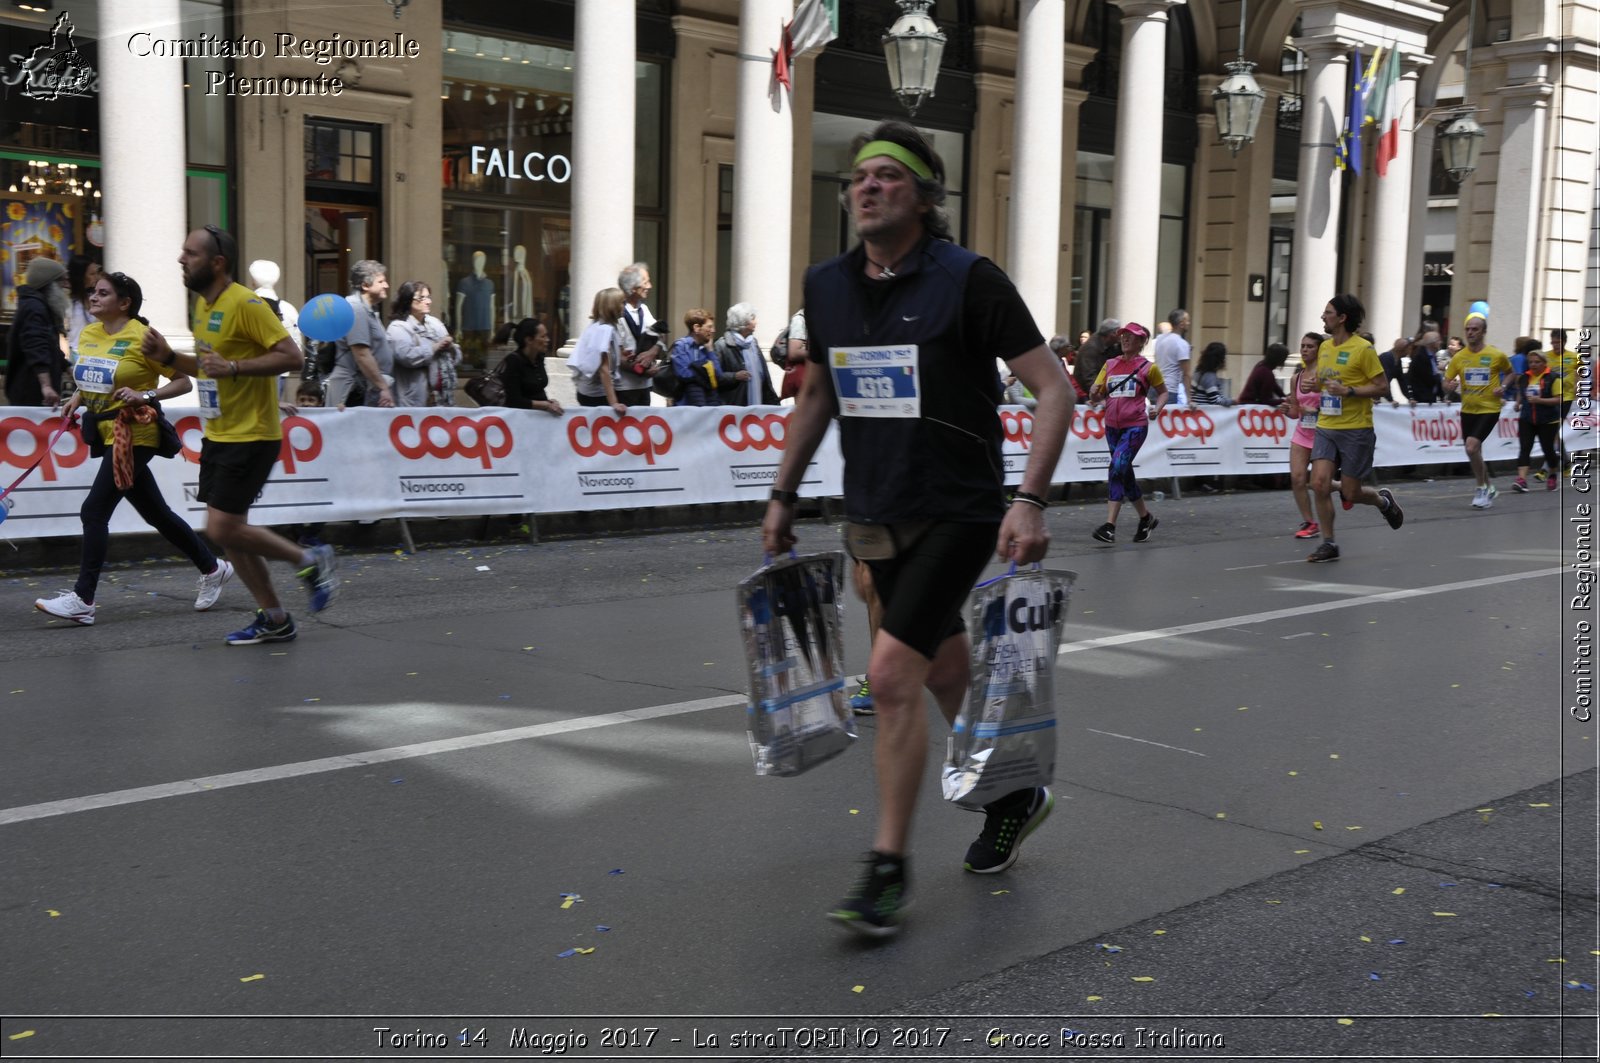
x=338, y=234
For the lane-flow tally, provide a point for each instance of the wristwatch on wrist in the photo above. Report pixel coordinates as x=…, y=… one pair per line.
x=150, y=398
x=786, y=497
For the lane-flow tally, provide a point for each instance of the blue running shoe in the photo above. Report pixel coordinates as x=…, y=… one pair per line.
x=320, y=577
x=263, y=630
x=861, y=700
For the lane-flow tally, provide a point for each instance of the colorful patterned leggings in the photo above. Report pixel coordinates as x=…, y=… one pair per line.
x=1121, y=486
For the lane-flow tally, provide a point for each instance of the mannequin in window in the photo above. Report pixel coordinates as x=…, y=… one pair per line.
x=475, y=302
x=521, y=286
x=264, y=274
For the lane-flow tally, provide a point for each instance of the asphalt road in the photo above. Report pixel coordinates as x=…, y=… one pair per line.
x=1273, y=779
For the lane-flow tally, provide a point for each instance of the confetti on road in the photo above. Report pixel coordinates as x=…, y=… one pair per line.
x=252, y=978
x=615, y=871
x=1317, y=824
x=21, y=1036
x=1541, y=804
x=1445, y=915
x=1274, y=902
x=997, y=893
x=1301, y=852
x=1347, y=1022
x=1398, y=890
x=1158, y=933
x=52, y=913
x=1222, y=815
x=1397, y=941
x=1483, y=810
x=483, y=568
x=1575, y=984
x=855, y=812
x=1365, y=938
x=1143, y=978
x=1333, y=756
x=568, y=952
x=1294, y=773
x=569, y=899
x=308, y=701
x=602, y=929
x=1094, y=1000
x=1108, y=948
x=1352, y=828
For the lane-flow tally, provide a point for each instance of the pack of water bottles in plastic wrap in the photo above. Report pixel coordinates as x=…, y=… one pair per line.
x=1005, y=735
x=791, y=613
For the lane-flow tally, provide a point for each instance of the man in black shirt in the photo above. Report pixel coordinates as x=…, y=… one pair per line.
x=904, y=333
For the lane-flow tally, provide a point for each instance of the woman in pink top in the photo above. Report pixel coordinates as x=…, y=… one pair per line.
x=1301, y=404
x=1123, y=384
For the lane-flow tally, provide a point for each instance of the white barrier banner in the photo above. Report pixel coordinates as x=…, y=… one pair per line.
x=442, y=461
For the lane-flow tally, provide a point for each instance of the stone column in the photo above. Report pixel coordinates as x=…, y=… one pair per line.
x=1035, y=223
x=1422, y=145
x=144, y=202
x=1315, y=268
x=1389, y=227
x=602, y=149
x=1136, y=177
x=1519, y=188
x=763, y=177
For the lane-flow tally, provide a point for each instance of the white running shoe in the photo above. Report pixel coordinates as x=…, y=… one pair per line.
x=68, y=606
x=1489, y=494
x=208, y=588
x=1480, y=498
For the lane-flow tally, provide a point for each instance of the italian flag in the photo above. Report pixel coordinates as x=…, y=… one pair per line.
x=1384, y=110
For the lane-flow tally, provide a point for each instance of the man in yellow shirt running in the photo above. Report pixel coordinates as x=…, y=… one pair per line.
x=1475, y=372
x=240, y=348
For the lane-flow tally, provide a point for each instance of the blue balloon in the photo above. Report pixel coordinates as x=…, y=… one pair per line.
x=5, y=509
x=1479, y=307
x=327, y=317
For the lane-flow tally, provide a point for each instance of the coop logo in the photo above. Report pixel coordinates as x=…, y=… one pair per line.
x=1018, y=428
x=302, y=441
x=1193, y=424
x=753, y=431
x=24, y=442
x=1263, y=424
x=1439, y=428
x=481, y=439
x=56, y=69
x=644, y=437
x=1088, y=424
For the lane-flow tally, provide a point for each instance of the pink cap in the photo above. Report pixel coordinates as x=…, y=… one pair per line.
x=1136, y=329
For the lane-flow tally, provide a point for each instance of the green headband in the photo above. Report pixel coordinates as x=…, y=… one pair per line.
x=907, y=158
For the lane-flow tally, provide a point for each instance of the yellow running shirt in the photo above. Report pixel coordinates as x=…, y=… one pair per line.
x=1479, y=373
x=104, y=364
x=1566, y=362
x=1354, y=364
x=238, y=326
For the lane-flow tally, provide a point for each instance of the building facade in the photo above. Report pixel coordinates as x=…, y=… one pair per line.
x=516, y=156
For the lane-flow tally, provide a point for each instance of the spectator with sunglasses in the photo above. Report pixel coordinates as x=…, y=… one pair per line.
x=240, y=348
x=120, y=392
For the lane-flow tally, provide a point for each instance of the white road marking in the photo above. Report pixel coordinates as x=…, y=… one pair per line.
x=1145, y=741
x=208, y=784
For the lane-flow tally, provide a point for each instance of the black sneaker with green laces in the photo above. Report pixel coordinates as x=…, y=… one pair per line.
x=1006, y=823
x=874, y=904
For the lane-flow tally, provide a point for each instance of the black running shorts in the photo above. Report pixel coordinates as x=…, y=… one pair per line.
x=233, y=474
x=1479, y=426
x=924, y=589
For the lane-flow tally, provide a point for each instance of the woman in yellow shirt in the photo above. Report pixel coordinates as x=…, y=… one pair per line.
x=119, y=392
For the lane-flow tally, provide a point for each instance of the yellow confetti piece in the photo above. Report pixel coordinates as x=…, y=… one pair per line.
x=1158, y=933
x=1197, y=730
x=1445, y=914
x=1143, y=978
x=252, y=978
x=858, y=989
x=1317, y=823
x=1366, y=939
x=1222, y=815
x=1398, y=891
x=1094, y=1000
x=1541, y=804
x=585, y=952
x=1455, y=686
x=1352, y=828
x=567, y=903
x=1301, y=852
x=313, y=699
x=20, y=1036
x=1491, y=1015
x=855, y=812
x=1294, y=773
x=1333, y=756
x=1483, y=810
x=527, y=647
x=996, y=893
x=280, y=653
x=411, y=673
x=1558, y=959
x=1347, y=1022
x=1244, y=708
x=53, y=914
x=1274, y=902
x=19, y=692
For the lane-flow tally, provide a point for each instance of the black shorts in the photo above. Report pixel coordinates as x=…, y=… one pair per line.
x=1479, y=426
x=923, y=590
x=233, y=474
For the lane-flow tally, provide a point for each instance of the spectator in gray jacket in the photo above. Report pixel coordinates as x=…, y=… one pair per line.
x=364, y=351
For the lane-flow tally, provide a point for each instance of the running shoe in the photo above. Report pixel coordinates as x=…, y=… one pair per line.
x=1006, y=823
x=1552, y=483
x=1480, y=498
x=263, y=630
x=1106, y=533
x=861, y=700
x=874, y=903
x=1391, y=509
x=1520, y=486
x=1147, y=524
x=1325, y=552
x=1492, y=493
x=209, y=587
x=68, y=606
x=320, y=578
x=1309, y=529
